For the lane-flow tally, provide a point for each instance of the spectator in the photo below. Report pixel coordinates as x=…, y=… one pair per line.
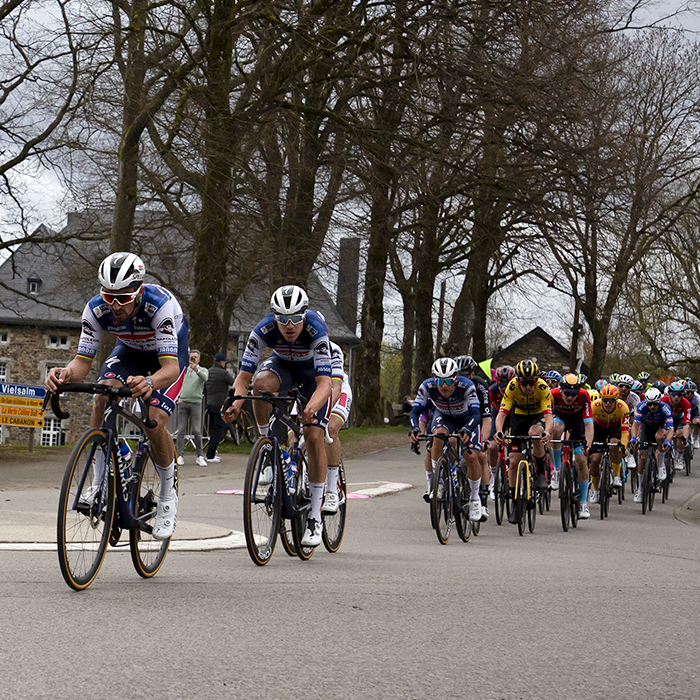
x=407, y=404
x=217, y=389
x=190, y=406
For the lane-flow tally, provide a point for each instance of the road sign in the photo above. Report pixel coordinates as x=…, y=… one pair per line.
x=22, y=405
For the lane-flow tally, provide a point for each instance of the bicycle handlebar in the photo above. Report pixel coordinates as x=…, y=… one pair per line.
x=107, y=390
x=294, y=396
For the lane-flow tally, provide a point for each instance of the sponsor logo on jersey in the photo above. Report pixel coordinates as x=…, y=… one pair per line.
x=311, y=330
x=109, y=375
x=149, y=308
x=100, y=310
x=155, y=402
x=252, y=344
x=322, y=349
x=267, y=328
x=88, y=329
x=167, y=326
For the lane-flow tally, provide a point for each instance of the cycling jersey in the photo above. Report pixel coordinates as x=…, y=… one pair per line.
x=580, y=407
x=158, y=325
x=496, y=396
x=463, y=403
x=619, y=416
x=694, y=406
x=679, y=411
x=310, y=351
x=632, y=400
x=482, y=391
x=338, y=363
x=539, y=402
x=662, y=418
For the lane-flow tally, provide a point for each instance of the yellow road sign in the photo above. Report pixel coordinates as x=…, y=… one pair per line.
x=21, y=421
x=21, y=401
x=21, y=411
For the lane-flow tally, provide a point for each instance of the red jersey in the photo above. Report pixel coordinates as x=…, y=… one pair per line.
x=682, y=408
x=580, y=407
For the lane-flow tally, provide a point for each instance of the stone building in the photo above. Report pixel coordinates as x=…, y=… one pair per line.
x=44, y=288
x=539, y=346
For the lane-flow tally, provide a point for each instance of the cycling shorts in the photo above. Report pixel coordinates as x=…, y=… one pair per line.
x=520, y=425
x=678, y=422
x=573, y=425
x=125, y=362
x=344, y=403
x=648, y=432
x=602, y=434
x=455, y=423
x=289, y=375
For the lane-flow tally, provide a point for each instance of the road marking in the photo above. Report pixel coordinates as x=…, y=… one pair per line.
x=383, y=488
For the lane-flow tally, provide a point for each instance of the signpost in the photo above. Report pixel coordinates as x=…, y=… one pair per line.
x=22, y=405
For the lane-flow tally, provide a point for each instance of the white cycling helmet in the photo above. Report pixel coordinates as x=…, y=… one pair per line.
x=653, y=395
x=120, y=270
x=289, y=299
x=444, y=368
x=625, y=380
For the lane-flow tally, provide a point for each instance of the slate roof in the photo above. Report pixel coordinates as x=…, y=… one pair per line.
x=68, y=270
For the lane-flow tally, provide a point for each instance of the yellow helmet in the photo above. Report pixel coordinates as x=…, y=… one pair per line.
x=527, y=369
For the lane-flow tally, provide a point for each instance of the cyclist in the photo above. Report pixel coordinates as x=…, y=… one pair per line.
x=653, y=422
x=691, y=394
x=150, y=356
x=457, y=409
x=503, y=375
x=644, y=378
x=571, y=407
x=626, y=385
x=611, y=425
x=341, y=400
x=552, y=378
x=531, y=401
x=680, y=409
x=468, y=366
x=298, y=337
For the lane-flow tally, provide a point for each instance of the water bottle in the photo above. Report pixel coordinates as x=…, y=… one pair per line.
x=290, y=471
x=124, y=460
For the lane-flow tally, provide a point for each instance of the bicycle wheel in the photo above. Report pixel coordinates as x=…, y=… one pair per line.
x=83, y=527
x=565, y=495
x=261, y=502
x=302, y=500
x=334, y=523
x=236, y=432
x=532, y=506
x=464, y=525
x=634, y=480
x=646, y=484
x=147, y=553
x=287, y=537
x=603, y=486
x=500, y=491
x=520, y=502
x=687, y=458
x=441, y=502
x=548, y=499
x=248, y=426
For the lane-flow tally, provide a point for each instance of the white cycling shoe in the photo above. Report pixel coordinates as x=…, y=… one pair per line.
x=166, y=516
x=584, y=512
x=475, y=511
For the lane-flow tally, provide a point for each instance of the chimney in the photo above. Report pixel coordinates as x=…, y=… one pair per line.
x=348, y=281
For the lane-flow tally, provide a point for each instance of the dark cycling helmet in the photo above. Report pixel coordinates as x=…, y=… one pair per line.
x=643, y=376
x=625, y=380
x=504, y=374
x=444, y=368
x=687, y=379
x=570, y=382
x=677, y=387
x=691, y=386
x=600, y=384
x=527, y=369
x=658, y=384
x=121, y=270
x=614, y=377
x=553, y=374
x=289, y=299
x=609, y=391
x=466, y=363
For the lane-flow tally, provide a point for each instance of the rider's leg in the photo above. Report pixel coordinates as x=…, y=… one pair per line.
x=264, y=381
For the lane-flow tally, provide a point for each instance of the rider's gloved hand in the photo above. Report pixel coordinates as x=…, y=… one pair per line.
x=667, y=444
x=633, y=441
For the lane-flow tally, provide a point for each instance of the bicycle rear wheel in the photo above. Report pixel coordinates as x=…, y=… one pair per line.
x=687, y=458
x=441, y=502
x=84, y=526
x=604, y=486
x=262, y=504
x=565, y=495
x=334, y=523
x=646, y=485
x=302, y=501
x=147, y=553
x=287, y=537
x=520, y=501
x=500, y=491
x=464, y=525
x=532, y=506
x=248, y=426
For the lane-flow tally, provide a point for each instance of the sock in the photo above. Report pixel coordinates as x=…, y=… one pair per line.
x=616, y=468
x=264, y=429
x=484, y=495
x=639, y=482
x=583, y=488
x=98, y=468
x=429, y=478
x=556, y=458
x=167, y=479
x=332, y=478
x=316, y=500
x=434, y=463
x=595, y=479
x=474, y=486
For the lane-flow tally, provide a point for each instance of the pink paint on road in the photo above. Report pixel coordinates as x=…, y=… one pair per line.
x=231, y=492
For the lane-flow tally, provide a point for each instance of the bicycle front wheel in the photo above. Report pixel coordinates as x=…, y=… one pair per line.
x=441, y=503
x=147, y=553
x=565, y=496
x=500, y=491
x=262, y=504
x=85, y=510
x=604, y=486
x=334, y=523
x=520, y=502
x=464, y=525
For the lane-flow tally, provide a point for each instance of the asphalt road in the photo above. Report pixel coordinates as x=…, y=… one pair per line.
x=609, y=610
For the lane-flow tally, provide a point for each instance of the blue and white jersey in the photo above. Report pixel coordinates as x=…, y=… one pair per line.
x=694, y=405
x=311, y=350
x=338, y=363
x=663, y=416
x=158, y=326
x=463, y=402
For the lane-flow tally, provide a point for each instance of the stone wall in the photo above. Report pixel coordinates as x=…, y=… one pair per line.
x=545, y=354
x=28, y=355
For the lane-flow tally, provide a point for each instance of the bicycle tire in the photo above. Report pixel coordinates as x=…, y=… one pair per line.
x=604, y=485
x=83, y=530
x=500, y=491
x=301, y=502
x=334, y=523
x=287, y=537
x=248, y=426
x=462, y=522
x=147, y=553
x=575, y=499
x=532, y=504
x=262, y=504
x=441, y=503
x=687, y=458
x=565, y=496
x=646, y=479
x=236, y=432
x=548, y=499
x=521, y=496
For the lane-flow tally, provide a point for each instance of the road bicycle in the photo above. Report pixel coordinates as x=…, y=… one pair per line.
x=276, y=488
x=569, y=492
x=526, y=496
x=243, y=427
x=501, y=490
x=606, y=487
x=95, y=508
x=651, y=484
x=450, y=492
x=688, y=455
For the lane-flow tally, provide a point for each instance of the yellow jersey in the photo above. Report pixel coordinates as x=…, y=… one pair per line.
x=539, y=402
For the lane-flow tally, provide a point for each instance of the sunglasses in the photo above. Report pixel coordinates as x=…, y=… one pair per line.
x=120, y=298
x=527, y=382
x=608, y=400
x=570, y=393
x=653, y=403
x=676, y=393
x=292, y=318
x=445, y=382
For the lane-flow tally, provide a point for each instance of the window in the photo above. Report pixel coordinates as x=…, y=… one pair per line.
x=51, y=433
x=33, y=285
x=4, y=338
x=57, y=341
x=3, y=371
x=46, y=366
